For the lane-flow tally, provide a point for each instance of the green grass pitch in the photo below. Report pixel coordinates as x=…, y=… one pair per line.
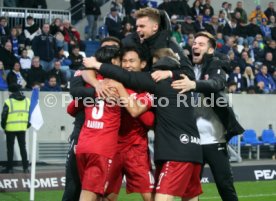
x=247, y=191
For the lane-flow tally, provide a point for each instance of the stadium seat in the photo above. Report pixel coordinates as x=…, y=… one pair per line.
x=250, y=139
x=268, y=137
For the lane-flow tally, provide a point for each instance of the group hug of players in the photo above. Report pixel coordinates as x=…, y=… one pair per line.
x=112, y=141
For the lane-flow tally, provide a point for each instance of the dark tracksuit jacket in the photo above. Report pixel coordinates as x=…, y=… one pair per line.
x=175, y=128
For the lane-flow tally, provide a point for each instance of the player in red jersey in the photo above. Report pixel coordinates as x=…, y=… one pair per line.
x=132, y=158
x=98, y=139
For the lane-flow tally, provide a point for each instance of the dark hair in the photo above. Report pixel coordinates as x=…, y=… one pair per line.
x=107, y=53
x=140, y=53
x=212, y=40
x=112, y=39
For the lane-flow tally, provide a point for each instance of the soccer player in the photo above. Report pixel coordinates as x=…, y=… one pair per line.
x=177, y=149
x=98, y=139
x=132, y=158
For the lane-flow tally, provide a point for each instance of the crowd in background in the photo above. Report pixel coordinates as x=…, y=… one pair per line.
x=247, y=40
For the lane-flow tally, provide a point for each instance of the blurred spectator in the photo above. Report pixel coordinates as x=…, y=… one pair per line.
x=36, y=75
x=253, y=30
x=267, y=80
x=233, y=61
x=56, y=29
x=20, y=37
x=272, y=22
x=113, y=23
x=44, y=46
x=221, y=18
x=271, y=48
x=60, y=77
x=229, y=45
x=174, y=22
x=257, y=51
x=25, y=61
x=232, y=87
x=230, y=28
x=224, y=9
x=4, y=30
x=196, y=9
x=3, y=77
x=206, y=6
x=179, y=8
x=206, y=16
x=76, y=10
x=118, y=5
x=187, y=27
x=188, y=47
x=219, y=41
x=214, y=25
x=76, y=59
x=260, y=40
x=236, y=77
x=166, y=6
x=72, y=36
x=199, y=24
x=258, y=14
x=242, y=12
x=271, y=65
x=51, y=84
x=14, y=42
x=92, y=12
x=127, y=29
x=129, y=6
x=270, y=11
x=7, y=56
x=177, y=35
x=16, y=76
x=31, y=30
x=266, y=32
x=248, y=78
x=64, y=62
x=245, y=60
x=131, y=19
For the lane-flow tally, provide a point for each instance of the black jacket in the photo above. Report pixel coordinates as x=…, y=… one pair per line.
x=161, y=39
x=175, y=128
x=36, y=75
x=77, y=90
x=213, y=80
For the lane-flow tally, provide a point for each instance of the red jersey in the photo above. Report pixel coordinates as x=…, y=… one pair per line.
x=99, y=133
x=133, y=131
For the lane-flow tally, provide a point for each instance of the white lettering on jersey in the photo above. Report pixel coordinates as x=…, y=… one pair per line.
x=95, y=124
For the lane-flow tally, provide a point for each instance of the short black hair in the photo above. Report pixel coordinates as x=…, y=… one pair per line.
x=136, y=49
x=107, y=53
x=212, y=40
x=111, y=38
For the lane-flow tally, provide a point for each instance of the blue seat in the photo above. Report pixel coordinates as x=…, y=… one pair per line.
x=234, y=141
x=250, y=137
x=268, y=136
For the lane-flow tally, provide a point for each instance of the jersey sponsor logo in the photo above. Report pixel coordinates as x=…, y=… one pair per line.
x=195, y=140
x=184, y=139
x=95, y=124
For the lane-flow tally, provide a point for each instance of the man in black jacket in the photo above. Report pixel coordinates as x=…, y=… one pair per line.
x=216, y=124
x=154, y=32
x=92, y=12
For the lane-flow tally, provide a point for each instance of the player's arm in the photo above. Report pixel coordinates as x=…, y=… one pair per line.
x=74, y=107
x=78, y=90
x=214, y=82
x=133, y=80
x=134, y=106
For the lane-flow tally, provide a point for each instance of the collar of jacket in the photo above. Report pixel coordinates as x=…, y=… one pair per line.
x=17, y=95
x=158, y=40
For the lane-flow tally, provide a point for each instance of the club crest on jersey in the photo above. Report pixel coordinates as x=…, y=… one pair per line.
x=184, y=139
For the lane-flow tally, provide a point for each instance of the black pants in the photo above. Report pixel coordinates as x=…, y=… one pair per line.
x=22, y=146
x=72, y=186
x=216, y=156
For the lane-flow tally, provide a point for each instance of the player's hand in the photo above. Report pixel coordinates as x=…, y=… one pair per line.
x=161, y=75
x=184, y=84
x=110, y=88
x=91, y=62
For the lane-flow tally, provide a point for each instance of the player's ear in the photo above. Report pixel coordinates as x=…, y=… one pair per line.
x=143, y=64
